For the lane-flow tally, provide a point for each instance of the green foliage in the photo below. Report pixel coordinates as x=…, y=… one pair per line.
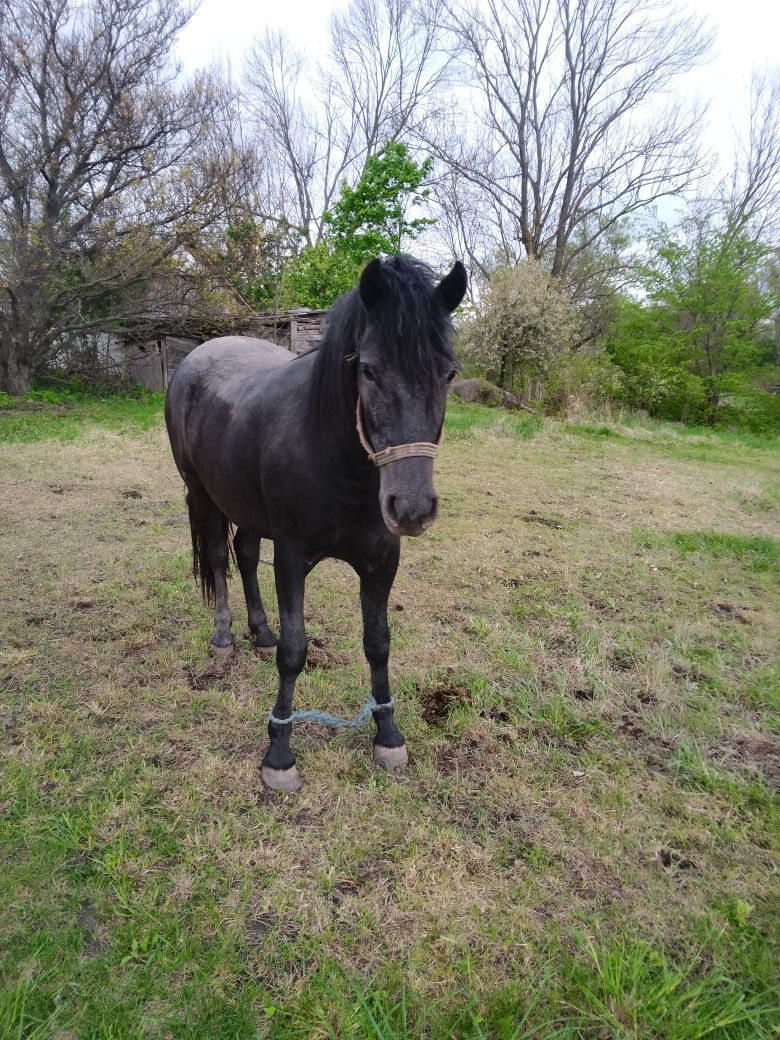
x=253, y=258
x=587, y=375
x=368, y=220
x=318, y=275
x=371, y=219
x=654, y=378
x=690, y=350
x=706, y=279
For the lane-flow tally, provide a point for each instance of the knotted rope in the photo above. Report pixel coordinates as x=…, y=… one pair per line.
x=395, y=451
x=324, y=718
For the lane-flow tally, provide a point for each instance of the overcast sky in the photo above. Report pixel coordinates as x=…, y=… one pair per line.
x=748, y=34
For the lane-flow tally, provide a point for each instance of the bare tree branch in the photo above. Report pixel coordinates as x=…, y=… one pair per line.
x=571, y=128
x=108, y=164
x=754, y=200
x=380, y=83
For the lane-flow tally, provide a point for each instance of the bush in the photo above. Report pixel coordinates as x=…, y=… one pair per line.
x=524, y=320
x=744, y=405
x=581, y=380
x=658, y=379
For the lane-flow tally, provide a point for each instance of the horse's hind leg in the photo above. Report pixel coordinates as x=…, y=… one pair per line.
x=210, y=554
x=247, y=551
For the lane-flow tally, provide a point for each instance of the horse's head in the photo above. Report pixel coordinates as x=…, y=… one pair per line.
x=405, y=363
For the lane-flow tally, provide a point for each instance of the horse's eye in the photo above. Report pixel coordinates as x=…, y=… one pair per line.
x=451, y=375
x=366, y=373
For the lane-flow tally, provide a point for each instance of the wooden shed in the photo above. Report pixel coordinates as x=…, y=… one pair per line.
x=150, y=356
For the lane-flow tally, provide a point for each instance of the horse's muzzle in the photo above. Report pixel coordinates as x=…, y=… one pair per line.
x=407, y=496
x=404, y=515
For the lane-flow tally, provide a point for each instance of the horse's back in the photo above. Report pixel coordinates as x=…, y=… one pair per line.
x=230, y=359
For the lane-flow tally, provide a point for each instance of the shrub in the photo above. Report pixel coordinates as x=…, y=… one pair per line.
x=524, y=320
x=581, y=380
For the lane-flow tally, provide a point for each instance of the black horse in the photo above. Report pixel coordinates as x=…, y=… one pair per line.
x=329, y=454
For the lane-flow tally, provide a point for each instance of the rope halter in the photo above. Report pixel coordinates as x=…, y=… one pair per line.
x=396, y=451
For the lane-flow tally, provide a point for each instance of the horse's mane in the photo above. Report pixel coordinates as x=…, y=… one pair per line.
x=413, y=328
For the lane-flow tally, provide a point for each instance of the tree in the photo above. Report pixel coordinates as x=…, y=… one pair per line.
x=379, y=84
x=753, y=199
x=524, y=319
x=371, y=219
x=108, y=166
x=571, y=132
x=706, y=277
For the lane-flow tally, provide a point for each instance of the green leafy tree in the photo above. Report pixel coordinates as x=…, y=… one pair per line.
x=655, y=378
x=318, y=275
x=705, y=278
x=371, y=219
x=252, y=258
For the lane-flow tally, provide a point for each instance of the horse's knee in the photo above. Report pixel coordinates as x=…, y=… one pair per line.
x=291, y=654
x=377, y=650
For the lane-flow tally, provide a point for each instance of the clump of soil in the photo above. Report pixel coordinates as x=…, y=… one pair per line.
x=669, y=858
x=320, y=655
x=759, y=751
x=439, y=702
x=532, y=517
x=211, y=677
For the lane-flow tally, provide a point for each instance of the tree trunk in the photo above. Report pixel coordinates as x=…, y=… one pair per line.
x=15, y=375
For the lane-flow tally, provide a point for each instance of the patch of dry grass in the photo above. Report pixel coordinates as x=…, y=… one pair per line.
x=592, y=716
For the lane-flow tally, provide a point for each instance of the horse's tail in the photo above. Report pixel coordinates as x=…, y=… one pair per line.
x=201, y=565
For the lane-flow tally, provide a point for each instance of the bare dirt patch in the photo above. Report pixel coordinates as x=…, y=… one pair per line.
x=438, y=702
x=761, y=752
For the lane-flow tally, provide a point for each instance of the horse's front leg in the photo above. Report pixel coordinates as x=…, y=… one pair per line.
x=389, y=745
x=278, y=768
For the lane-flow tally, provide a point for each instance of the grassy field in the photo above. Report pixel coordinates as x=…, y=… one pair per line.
x=585, y=842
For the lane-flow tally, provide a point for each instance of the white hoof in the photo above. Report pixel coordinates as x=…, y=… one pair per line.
x=221, y=651
x=287, y=780
x=391, y=757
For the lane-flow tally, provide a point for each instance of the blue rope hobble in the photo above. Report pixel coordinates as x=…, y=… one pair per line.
x=324, y=718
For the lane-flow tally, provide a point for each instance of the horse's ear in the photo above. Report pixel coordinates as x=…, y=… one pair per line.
x=372, y=284
x=452, y=288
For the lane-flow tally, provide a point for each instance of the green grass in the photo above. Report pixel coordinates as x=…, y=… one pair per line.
x=585, y=663
x=64, y=416
x=759, y=552
x=465, y=420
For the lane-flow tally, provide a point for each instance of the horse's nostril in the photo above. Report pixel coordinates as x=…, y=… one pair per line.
x=390, y=507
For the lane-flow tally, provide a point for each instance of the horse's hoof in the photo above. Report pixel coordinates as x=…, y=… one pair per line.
x=265, y=652
x=391, y=757
x=222, y=651
x=287, y=780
